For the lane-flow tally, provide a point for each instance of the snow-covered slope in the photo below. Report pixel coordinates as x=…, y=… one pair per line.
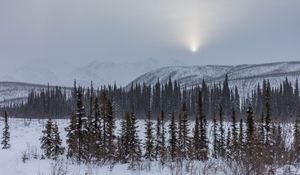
x=101, y=73
x=121, y=73
x=245, y=77
x=16, y=91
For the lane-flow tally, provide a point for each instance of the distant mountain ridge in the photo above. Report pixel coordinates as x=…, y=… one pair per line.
x=246, y=77
x=17, y=92
x=101, y=73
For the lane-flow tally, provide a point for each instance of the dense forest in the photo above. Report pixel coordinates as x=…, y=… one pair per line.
x=180, y=125
x=141, y=98
x=171, y=139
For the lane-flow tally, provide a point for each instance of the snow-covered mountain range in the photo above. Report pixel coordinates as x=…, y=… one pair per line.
x=245, y=77
x=100, y=73
x=17, y=92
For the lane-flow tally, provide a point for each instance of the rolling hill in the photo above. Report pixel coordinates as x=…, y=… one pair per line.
x=245, y=77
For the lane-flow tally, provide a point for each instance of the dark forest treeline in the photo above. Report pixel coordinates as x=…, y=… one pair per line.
x=49, y=102
x=257, y=146
x=255, y=141
x=141, y=98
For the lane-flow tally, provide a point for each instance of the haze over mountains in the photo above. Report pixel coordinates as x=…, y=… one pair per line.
x=100, y=73
x=245, y=77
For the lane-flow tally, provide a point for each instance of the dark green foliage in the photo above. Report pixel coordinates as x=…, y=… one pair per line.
x=222, y=144
x=149, y=144
x=96, y=132
x=296, y=143
x=200, y=141
x=158, y=138
x=47, y=140
x=134, y=149
x=195, y=151
x=72, y=136
x=241, y=138
x=173, y=132
x=51, y=101
x=234, y=142
x=6, y=135
x=250, y=125
x=109, y=136
x=91, y=137
x=50, y=141
x=225, y=103
x=216, y=142
x=183, y=137
x=162, y=138
x=267, y=96
x=123, y=147
x=59, y=102
x=58, y=149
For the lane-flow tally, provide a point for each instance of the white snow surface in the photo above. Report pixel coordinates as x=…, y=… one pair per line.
x=25, y=134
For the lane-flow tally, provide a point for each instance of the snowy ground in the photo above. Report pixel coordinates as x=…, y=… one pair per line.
x=25, y=136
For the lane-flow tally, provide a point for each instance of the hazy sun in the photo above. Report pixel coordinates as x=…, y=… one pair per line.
x=194, y=49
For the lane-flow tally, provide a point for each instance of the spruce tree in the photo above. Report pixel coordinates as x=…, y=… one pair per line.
x=163, y=155
x=47, y=141
x=234, y=132
x=228, y=145
x=226, y=97
x=268, y=128
x=124, y=138
x=184, y=139
x=134, y=149
x=279, y=144
x=83, y=151
x=250, y=125
x=6, y=134
x=111, y=147
x=222, y=133
x=203, y=125
x=216, y=142
x=149, y=144
x=241, y=138
x=267, y=104
x=50, y=141
x=195, y=152
x=173, y=138
x=58, y=149
x=107, y=124
x=296, y=144
x=96, y=132
x=72, y=136
x=158, y=138
x=200, y=147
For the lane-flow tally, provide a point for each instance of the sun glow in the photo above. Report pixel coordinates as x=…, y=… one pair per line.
x=193, y=42
x=195, y=24
x=194, y=35
x=194, y=48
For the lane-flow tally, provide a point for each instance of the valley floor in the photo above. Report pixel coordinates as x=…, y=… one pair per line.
x=24, y=141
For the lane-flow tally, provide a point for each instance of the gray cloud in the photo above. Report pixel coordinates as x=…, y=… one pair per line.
x=47, y=33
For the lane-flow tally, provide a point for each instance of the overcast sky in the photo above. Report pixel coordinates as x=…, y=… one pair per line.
x=57, y=33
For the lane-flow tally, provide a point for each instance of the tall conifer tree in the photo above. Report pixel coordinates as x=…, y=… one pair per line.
x=6, y=135
x=149, y=145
